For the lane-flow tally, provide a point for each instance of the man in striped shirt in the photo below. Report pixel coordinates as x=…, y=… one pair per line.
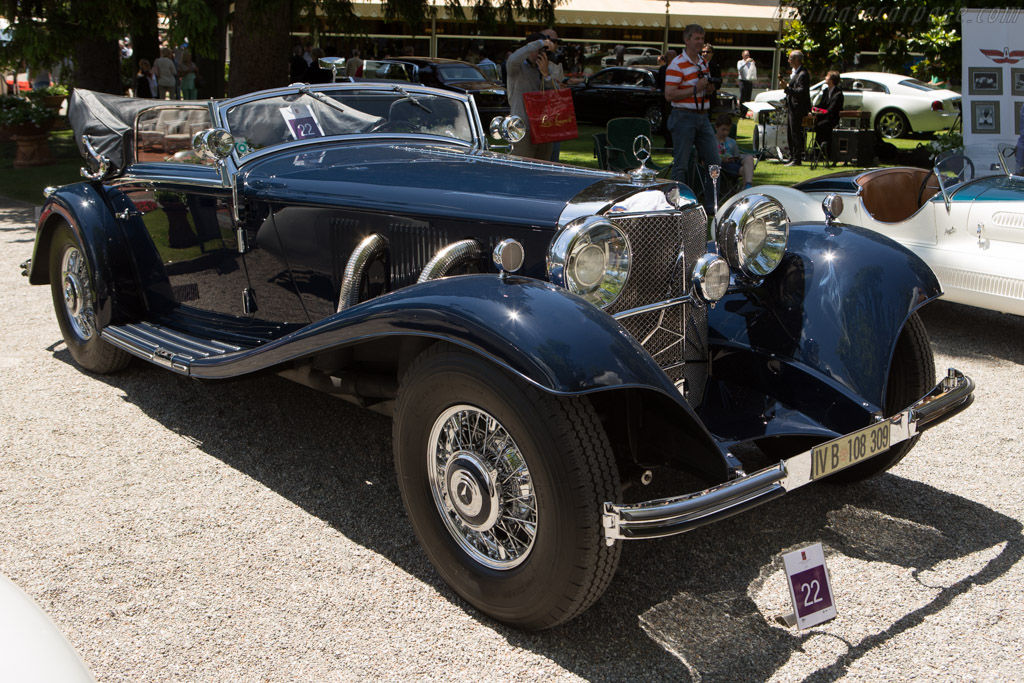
x=688, y=89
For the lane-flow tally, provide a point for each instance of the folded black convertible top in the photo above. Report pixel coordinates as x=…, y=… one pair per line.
x=109, y=121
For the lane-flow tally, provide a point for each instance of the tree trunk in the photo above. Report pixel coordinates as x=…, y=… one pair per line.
x=211, y=71
x=260, y=46
x=98, y=65
x=145, y=39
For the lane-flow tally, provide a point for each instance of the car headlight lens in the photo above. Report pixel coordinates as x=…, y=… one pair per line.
x=752, y=236
x=591, y=258
x=711, y=277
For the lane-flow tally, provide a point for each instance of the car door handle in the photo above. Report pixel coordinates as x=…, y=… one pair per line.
x=128, y=213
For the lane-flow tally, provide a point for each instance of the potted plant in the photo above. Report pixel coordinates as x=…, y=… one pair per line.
x=28, y=122
x=21, y=116
x=52, y=96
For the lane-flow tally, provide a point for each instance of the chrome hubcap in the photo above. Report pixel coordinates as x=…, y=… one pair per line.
x=482, y=487
x=77, y=294
x=891, y=125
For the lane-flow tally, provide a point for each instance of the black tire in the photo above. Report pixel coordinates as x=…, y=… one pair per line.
x=892, y=124
x=911, y=375
x=558, y=563
x=73, y=292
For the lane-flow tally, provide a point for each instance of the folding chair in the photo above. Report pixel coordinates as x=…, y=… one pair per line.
x=617, y=151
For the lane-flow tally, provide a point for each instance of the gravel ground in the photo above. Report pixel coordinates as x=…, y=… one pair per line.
x=253, y=531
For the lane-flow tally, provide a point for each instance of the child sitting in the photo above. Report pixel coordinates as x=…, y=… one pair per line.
x=733, y=163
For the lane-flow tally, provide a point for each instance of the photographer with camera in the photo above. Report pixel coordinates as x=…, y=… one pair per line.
x=687, y=88
x=556, y=62
x=714, y=74
x=528, y=70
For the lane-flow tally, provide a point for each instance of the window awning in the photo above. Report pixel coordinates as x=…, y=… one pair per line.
x=758, y=16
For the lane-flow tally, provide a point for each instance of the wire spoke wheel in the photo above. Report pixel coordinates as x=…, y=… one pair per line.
x=77, y=293
x=482, y=487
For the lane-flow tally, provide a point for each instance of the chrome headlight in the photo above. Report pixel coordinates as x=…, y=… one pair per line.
x=591, y=258
x=711, y=277
x=752, y=236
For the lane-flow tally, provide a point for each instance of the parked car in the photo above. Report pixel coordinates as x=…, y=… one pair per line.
x=898, y=104
x=543, y=335
x=965, y=219
x=31, y=647
x=635, y=56
x=619, y=91
x=448, y=74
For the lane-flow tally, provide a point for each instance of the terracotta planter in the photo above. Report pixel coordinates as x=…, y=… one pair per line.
x=53, y=101
x=30, y=129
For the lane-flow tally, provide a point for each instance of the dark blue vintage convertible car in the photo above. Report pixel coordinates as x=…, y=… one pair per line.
x=544, y=336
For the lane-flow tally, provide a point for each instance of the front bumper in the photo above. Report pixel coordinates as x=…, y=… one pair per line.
x=670, y=516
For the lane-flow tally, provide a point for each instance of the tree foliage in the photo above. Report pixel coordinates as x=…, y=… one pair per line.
x=84, y=33
x=833, y=32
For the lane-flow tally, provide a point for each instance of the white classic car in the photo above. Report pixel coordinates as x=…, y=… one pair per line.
x=965, y=218
x=635, y=56
x=898, y=104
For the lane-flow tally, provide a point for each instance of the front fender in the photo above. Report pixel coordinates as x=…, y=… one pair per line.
x=538, y=331
x=819, y=333
x=84, y=208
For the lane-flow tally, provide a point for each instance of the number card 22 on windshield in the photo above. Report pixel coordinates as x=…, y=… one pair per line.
x=809, y=586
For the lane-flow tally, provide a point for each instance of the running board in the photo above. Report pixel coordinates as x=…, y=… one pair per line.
x=166, y=347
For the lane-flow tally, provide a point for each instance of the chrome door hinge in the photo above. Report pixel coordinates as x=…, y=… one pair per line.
x=249, y=306
x=243, y=240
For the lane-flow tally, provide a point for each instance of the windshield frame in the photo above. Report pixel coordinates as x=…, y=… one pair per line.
x=477, y=137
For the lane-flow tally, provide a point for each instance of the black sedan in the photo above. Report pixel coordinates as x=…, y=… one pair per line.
x=545, y=337
x=620, y=91
x=447, y=74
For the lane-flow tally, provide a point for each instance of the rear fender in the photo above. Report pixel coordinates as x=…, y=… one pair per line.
x=827, y=320
x=85, y=210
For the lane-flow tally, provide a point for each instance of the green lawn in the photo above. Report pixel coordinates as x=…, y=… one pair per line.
x=26, y=184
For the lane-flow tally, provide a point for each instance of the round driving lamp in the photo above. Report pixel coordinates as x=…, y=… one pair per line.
x=213, y=143
x=832, y=205
x=711, y=277
x=507, y=128
x=591, y=258
x=752, y=235
x=509, y=255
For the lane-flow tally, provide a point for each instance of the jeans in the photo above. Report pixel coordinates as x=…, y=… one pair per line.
x=692, y=131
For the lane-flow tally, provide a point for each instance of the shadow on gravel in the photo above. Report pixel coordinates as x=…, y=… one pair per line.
x=994, y=334
x=679, y=609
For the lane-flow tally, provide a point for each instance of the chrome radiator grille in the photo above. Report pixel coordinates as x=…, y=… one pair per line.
x=665, y=248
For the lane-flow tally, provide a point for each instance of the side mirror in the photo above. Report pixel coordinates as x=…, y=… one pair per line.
x=213, y=143
x=508, y=128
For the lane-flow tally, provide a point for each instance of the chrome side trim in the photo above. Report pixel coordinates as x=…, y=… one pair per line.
x=454, y=255
x=657, y=306
x=364, y=254
x=676, y=515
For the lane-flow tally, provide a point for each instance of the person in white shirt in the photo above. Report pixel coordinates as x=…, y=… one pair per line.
x=746, y=70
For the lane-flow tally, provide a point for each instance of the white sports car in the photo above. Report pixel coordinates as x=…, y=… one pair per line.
x=898, y=104
x=965, y=218
x=635, y=56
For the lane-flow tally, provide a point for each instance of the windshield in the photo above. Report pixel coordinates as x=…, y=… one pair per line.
x=455, y=73
x=305, y=113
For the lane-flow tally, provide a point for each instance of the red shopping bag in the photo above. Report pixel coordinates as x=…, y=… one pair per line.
x=551, y=114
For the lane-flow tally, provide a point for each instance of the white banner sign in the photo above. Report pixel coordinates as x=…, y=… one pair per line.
x=993, y=74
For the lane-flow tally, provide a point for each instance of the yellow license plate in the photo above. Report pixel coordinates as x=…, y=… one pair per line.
x=851, y=449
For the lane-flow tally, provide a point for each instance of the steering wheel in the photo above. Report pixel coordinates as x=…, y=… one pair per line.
x=964, y=164
x=947, y=166
x=931, y=182
x=395, y=127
